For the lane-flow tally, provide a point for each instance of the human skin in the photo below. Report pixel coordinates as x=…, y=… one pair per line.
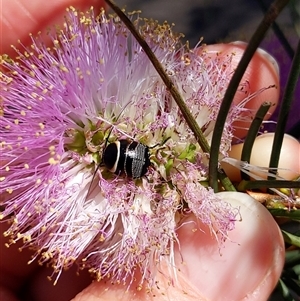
x=247, y=267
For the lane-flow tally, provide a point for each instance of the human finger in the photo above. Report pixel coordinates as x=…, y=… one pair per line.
x=249, y=264
x=261, y=80
x=246, y=267
x=288, y=165
x=21, y=17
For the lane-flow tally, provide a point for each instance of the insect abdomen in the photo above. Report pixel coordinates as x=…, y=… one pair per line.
x=127, y=157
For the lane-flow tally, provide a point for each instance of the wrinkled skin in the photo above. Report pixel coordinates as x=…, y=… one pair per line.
x=247, y=268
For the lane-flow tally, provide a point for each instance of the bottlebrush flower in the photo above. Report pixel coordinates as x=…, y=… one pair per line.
x=61, y=106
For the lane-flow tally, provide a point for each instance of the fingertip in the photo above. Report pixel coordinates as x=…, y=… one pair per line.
x=21, y=17
x=162, y=291
x=255, y=245
x=270, y=61
x=260, y=82
x=288, y=165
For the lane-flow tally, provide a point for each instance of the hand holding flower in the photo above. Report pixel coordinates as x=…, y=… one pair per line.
x=197, y=251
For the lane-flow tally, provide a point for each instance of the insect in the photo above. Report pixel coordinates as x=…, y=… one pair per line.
x=127, y=157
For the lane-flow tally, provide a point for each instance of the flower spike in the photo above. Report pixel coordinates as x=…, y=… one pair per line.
x=61, y=105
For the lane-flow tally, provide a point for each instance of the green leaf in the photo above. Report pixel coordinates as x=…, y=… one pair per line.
x=292, y=214
x=296, y=270
x=285, y=291
x=292, y=257
x=291, y=238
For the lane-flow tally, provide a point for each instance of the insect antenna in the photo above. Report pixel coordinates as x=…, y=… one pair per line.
x=160, y=143
x=113, y=127
x=92, y=181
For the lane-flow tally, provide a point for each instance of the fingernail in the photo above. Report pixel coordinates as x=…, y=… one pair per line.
x=239, y=43
x=261, y=52
x=270, y=58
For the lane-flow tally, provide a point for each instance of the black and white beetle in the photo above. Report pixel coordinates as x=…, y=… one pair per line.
x=127, y=157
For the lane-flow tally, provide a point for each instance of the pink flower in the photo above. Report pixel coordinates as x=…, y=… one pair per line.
x=61, y=106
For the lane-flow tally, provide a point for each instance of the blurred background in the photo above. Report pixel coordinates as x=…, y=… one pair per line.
x=225, y=21
x=216, y=21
